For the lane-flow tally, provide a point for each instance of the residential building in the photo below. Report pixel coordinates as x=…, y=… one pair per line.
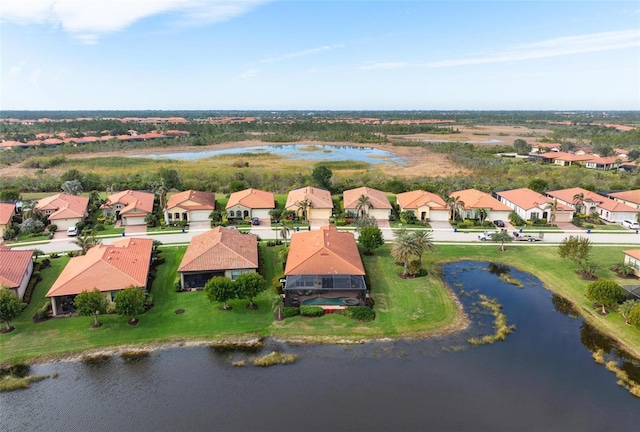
x=531, y=205
x=130, y=207
x=64, y=210
x=632, y=257
x=310, y=203
x=630, y=198
x=16, y=267
x=566, y=159
x=378, y=206
x=218, y=252
x=7, y=210
x=603, y=163
x=427, y=206
x=324, y=268
x=108, y=268
x=250, y=203
x=591, y=202
x=190, y=206
x=474, y=200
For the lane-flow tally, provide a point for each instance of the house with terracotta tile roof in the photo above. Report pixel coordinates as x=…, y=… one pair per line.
x=190, y=206
x=218, y=252
x=64, y=210
x=250, y=203
x=632, y=257
x=630, y=166
x=427, y=206
x=319, y=203
x=566, y=159
x=530, y=205
x=607, y=208
x=16, y=268
x=7, y=210
x=475, y=200
x=109, y=268
x=604, y=163
x=131, y=207
x=324, y=268
x=380, y=207
x=630, y=198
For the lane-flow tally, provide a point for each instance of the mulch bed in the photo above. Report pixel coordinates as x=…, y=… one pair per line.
x=96, y=325
x=6, y=330
x=179, y=311
x=133, y=322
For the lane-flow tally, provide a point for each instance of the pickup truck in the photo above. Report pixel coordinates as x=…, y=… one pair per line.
x=517, y=236
x=486, y=236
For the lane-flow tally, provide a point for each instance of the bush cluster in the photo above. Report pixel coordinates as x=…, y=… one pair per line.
x=289, y=312
x=311, y=311
x=360, y=313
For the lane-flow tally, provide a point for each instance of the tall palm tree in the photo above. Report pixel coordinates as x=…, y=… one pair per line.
x=86, y=242
x=578, y=200
x=72, y=187
x=284, y=232
x=363, y=205
x=408, y=244
x=305, y=205
x=553, y=209
x=456, y=206
x=482, y=214
x=161, y=190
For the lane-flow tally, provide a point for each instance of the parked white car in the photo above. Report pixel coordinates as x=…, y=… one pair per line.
x=631, y=224
x=72, y=231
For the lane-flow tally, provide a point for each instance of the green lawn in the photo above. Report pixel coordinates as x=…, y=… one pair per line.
x=411, y=307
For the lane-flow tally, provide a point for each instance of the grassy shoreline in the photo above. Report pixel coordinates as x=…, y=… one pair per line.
x=406, y=308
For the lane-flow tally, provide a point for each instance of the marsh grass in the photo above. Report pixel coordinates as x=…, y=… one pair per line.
x=275, y=358
x=511, y=280
x=96, y=358
x=134, y=355
x=239, y=363
x=12, y=382
x=623, y=378
x=502, y=329
x=598, y=356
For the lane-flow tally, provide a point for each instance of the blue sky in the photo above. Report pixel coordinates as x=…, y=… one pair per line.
x=319, y=55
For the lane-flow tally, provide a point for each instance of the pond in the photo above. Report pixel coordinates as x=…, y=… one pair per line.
x=542, y=377
x=312, y=152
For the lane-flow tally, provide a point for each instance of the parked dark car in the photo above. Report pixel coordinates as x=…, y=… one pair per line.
x=255, y=221
x=498, y=223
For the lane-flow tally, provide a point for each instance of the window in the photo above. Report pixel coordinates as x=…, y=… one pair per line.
x=177, y=216
x=232, y=214
x=170, y=216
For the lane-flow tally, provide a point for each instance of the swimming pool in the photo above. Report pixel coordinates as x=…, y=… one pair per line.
x=325, y=301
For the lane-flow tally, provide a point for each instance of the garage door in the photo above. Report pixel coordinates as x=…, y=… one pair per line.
x=199, y=216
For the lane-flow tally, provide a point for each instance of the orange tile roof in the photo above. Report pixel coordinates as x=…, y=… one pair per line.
x=527, y=199
x=475, y=199
x=377, y=198
x=567, y=195
x=634, y=253
x=252, y=198
x=419, y=198
x=605, y=160
x=631, y=196
x=319, y=198
x=64, y=206
x=7, y=211
x=324, y=251
x=220, y=249
x=117, y=266
x=568, y=156
x=132, y=200
x=13, y=265
x=200, y=200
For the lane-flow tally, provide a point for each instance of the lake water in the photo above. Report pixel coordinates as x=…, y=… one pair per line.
x=312, y=152
x=489, y=141
x=541, y=378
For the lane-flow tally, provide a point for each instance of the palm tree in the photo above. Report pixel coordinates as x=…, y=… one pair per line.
x=424, y=242
x=578, y=200
x=304, y=205
x=482, y=214
x=410, y=244
x=86, y=242
x=456, y=205
x=284, y=232
x=502, y=237
x=161, y=191
x=625, y=308
x=72, y=187
x=363, y=205
x=553, y=208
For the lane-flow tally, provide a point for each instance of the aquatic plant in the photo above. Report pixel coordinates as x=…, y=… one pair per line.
x=275, y=358
x=502, y=329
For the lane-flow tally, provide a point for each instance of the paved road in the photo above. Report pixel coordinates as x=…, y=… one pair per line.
x=439, y=236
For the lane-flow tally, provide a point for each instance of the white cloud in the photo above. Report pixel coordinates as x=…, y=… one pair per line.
x=34, y=78
x=302, y=53
x=87, y=20
x=557, y=47
x=248, y=74
x=386, y=66
x=15, y=70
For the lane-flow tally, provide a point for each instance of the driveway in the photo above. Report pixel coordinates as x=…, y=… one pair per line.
x=135, y=229
x=200, y=226
x=317, y=223
x=441, y=226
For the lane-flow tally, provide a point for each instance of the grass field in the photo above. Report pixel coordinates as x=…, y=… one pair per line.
x=404, y=307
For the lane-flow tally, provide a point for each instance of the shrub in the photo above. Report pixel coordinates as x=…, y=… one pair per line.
x=311, y=311
x=467, y=223
x=53, y=228
x=634, y=316
x=275, y=282
x=289, y=312
x=515, y=219
x=71, y=254
x=360, y=313
x=54, y=255
x=111, y=309
x=99, y=227
x=43, y=311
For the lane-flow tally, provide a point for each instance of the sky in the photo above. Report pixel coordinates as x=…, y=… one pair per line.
x=319, y=55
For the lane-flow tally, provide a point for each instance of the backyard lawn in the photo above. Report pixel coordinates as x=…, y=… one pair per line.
x=404, y=307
